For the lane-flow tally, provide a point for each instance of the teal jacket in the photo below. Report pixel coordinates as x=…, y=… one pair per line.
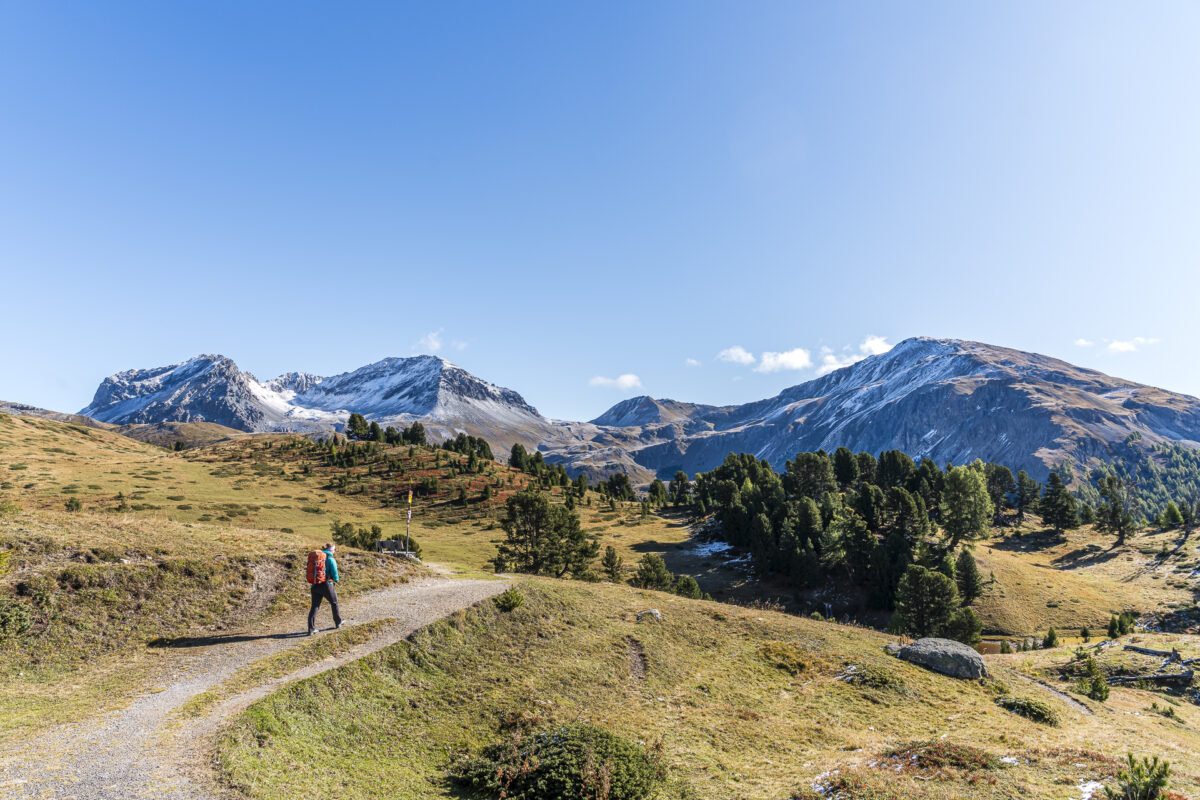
x=331, y=573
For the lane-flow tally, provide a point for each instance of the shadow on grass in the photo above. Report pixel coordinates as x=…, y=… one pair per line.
x=224, y=638
x=654, y=546
x=1085, y=557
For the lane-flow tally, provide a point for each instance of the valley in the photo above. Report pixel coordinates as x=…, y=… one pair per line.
x=739, y=698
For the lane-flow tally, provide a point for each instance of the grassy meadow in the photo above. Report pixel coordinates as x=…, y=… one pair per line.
x=743, y=701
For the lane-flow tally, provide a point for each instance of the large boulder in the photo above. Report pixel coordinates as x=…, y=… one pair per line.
x=946, y=656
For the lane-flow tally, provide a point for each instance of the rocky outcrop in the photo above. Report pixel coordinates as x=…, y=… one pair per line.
x=946, y=656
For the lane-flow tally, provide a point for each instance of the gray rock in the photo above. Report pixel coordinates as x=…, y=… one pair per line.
x=893, y=649
x=947, y=657
x=653, y=613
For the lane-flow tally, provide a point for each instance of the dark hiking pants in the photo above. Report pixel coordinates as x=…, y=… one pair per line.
x=328, y=592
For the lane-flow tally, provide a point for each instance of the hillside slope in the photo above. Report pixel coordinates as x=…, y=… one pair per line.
x=743, y=704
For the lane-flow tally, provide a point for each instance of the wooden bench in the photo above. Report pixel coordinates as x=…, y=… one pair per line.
x=395, y=547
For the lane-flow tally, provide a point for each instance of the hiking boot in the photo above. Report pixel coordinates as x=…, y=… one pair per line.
x=311, y=632
x=339, y=625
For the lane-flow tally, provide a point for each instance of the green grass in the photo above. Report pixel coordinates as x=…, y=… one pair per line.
x=285, y=662
x=744, y=703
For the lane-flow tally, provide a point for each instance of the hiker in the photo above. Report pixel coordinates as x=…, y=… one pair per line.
x=323, y=574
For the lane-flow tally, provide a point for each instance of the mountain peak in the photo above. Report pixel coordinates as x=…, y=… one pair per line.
x=211, y=388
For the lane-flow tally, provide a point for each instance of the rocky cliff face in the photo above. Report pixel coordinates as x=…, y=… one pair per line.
x=207, y=388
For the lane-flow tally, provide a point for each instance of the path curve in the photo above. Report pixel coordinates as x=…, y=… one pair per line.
x=144, y=751
x=1061, y=695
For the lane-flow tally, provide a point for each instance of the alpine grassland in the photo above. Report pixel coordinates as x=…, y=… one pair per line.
x=114, y=550
x=737, y=702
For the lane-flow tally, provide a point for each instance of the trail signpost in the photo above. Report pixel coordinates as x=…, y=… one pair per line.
x=408, y=524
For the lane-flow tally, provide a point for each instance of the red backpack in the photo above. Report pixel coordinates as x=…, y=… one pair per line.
x=316, y=567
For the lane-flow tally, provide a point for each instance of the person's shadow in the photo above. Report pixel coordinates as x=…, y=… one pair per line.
x=224, y=638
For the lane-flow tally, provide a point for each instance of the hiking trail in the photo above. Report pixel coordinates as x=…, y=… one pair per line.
x=146, y=751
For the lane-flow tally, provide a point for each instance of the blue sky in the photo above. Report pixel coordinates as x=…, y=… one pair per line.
x=556, y=195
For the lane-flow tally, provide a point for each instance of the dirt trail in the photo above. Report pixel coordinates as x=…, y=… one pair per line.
x=1066, y=698
x=143, y=751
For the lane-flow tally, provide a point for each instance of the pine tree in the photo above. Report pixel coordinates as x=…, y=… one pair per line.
x=966, y=575
x=1171, y=516
x=611, y=564
x=1051, y=639
x=1116, y=513
x=845, y=468
x=1000, y=485
x=356, y=427
x=1058, y=507
x=1085, y=634
x=652, y=573
x=966, y=627
x=1028, y=494
x=686, y=586
x=679, y=488
x=1114, y=627
x=926, y=602
x=966, y=507
x=1005, y=647
x=543, y=539
x=658, y=493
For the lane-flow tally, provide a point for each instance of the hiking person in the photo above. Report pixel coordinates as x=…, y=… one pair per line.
x=322, y=574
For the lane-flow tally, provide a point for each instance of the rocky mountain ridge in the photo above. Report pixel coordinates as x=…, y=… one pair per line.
x=944, y=399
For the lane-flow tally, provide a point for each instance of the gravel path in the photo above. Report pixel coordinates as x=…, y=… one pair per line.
x=142, y=751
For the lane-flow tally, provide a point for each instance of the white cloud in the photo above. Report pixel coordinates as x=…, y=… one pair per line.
x=1129, y=345
x=737, y=355
x=431, y=342
x=874, y=346
x=792, y=359
x=623, y=382
x=1081, y=342
x=459, y=345
x=691, y=362
x=870, y=346
x=831, y=361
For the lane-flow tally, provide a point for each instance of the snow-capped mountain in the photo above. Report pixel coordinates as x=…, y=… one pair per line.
x=212, y=388
x=945, y=399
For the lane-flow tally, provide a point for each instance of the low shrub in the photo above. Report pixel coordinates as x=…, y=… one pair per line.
x=1147, y=779
x=873, y=677
x=786, y=656
x=577, y=760
x=1030, y=708
x=846, y=787
x=15, y=618
x=509, y=599
x=942, y=754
